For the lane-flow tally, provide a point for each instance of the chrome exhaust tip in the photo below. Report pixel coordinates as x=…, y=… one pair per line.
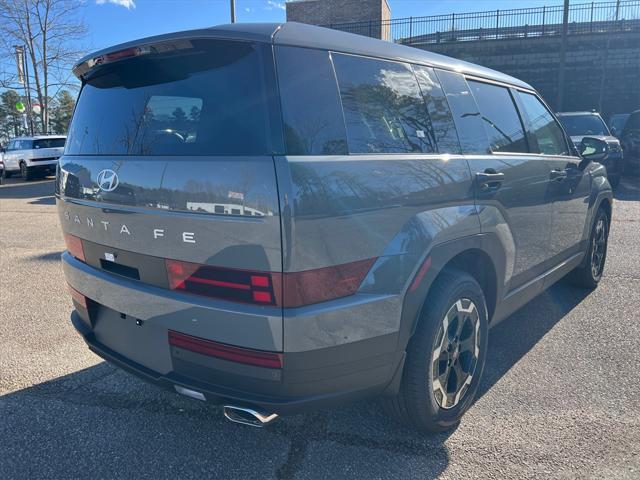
x=247, y=416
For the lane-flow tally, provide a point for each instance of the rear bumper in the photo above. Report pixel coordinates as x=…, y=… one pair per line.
x=363, y=384
x=129, y=325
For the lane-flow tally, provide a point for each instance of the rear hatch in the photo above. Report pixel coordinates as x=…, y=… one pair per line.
x=45, y=149
x=168, y=181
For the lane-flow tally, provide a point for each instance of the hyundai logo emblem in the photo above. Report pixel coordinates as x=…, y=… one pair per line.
x=107, y=180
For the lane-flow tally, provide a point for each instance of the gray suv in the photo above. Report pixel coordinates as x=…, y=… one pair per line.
x=278, y=218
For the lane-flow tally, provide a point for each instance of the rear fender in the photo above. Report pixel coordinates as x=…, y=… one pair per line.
x=438, y=257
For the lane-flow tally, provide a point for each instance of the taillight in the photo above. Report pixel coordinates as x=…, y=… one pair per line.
x=322, y=284
x=290, y=290
x=74, y=246
x=226, y=352
x=229, y=284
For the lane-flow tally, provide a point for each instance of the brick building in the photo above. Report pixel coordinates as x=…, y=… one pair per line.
x=327, y=12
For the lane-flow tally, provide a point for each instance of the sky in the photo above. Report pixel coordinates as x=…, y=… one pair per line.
x=115, y=21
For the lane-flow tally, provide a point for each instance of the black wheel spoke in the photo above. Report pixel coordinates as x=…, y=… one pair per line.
x=455, y=355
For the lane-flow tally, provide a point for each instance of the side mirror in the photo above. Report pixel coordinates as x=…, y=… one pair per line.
x=593, y=149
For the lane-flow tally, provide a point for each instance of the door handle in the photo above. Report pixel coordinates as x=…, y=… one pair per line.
x=558, y=175
x=489, y=180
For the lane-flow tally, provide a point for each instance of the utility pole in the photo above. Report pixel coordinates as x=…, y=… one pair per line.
x=233, y=11
x=23, y=74
x=563, y=56
x=603, y=77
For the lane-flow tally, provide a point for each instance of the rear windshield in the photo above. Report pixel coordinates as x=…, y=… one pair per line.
x=199, y=97
x=49, y=143
x=577, y=125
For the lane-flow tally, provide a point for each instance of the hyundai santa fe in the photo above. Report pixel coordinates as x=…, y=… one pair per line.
x=279, y=218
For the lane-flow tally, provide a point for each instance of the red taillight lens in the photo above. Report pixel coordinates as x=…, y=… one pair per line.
x=79, y=298
x=228, y=284
x=74, y=246
x=226, y=352
x=265, y=288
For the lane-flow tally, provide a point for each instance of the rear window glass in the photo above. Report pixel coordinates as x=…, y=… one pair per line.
x=443, y=128
x=383, y=108
x=49, y=143
x=576, y=125
x=203, y=97
x=500, y=118
x=468, y=119
x=311, y=110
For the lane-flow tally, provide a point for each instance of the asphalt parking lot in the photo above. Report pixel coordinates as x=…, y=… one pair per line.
x=560, y=398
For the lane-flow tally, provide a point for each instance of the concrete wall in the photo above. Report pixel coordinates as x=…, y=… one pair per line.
x=327, y=12
x=593, y=60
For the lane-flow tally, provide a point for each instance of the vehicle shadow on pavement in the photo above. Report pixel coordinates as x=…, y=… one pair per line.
x=511, y=339
x=39, y=190
x=163, y=430
x=628, y=189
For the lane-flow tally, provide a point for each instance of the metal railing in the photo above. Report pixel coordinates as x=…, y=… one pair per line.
x=584, y=18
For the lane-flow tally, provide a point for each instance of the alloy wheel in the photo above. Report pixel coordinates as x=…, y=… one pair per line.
x=455, y=353
x=598, y=248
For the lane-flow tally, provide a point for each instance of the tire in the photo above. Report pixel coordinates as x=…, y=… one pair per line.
x=589, y=272
x=6, y=174
x=421, y=402
x=26, y=172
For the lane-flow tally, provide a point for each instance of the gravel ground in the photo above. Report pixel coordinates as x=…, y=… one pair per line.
x=560, y=397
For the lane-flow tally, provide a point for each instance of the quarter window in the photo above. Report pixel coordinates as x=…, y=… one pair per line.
x=383, y=108
x=499, y=117
x=313, y=122
x=544, y=128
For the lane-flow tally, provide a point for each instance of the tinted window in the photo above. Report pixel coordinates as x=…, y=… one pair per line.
x=469, y=123
x=543, y=127
x=198, y=97
x=633, y=122
x=383, y=109
x=313, y=121
x=576, y=125
x=25, y=145
x=49, y=143
x=499, y=117
x=441, y=127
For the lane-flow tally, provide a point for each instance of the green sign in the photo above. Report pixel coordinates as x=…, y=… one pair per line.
x=20, y=107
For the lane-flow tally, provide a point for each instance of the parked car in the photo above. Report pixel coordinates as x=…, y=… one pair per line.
x=33, y=156
x=616, y=123
x=312, y=217
x=581, y=124
x=630, y=139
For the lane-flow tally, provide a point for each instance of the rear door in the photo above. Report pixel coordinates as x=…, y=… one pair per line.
x=511, y=182
x=170, y=156
x=48, y=148
x=570, y=186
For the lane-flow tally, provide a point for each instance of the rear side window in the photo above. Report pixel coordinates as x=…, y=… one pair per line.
x=197, y=97
x=25, y=145
x=468, y=119
x=543, y=127
x=383, y=108
x=49, y=143
x=499, y=117
x=313, y=122
x=442, y=127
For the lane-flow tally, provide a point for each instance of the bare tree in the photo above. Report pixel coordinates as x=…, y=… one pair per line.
x=50, y=30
